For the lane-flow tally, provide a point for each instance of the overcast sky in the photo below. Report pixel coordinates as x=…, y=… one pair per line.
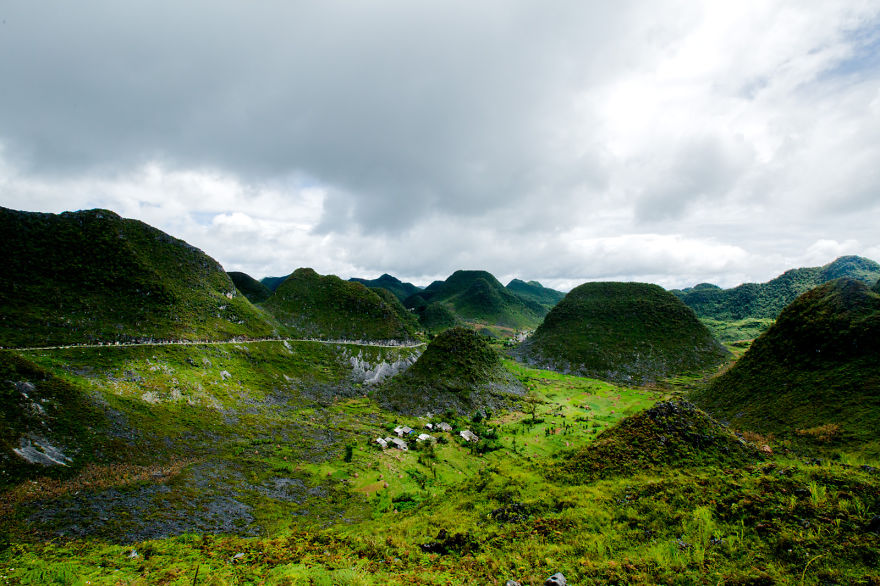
x=666, y=141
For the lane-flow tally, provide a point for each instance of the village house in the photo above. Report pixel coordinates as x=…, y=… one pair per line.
x=443, y=426
x=468, y=435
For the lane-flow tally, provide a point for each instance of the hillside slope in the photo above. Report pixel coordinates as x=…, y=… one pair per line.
x=459, y=371
x=816, y=366
x=93, y=276
x=315, y=306
x=535, y=291
x=478, y=297
x=628, y=332
x=255, y=291
x=766, y=300
x=400, y=289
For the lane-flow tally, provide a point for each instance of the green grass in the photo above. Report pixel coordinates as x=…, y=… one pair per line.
x=505, y=513
x=733, y=331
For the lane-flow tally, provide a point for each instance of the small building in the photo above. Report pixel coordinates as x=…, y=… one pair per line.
x=402, y=430
x=443, y=426
x=468, y=435
x=382, y=443
x=424, y=437
x=429, y=426
x=399, y=444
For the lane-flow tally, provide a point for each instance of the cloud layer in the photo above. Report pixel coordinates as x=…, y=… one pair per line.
x=669, y=141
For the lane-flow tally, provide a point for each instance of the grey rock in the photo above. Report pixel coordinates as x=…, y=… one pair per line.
x=512, y=583
x=556, y=579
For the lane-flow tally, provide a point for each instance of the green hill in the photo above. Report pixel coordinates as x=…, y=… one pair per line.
x=406, y=316
x=478, y=297
x=255, y=291
x=93, y=276
x=766, y=300
x=314, y=306
x=668, y=435
x=459, y=371
x=815, y=370
x=628, y=332
x=272, y=283
x=536, y=292
x=400, y=289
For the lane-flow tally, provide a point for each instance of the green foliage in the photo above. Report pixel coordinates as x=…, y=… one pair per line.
x=766, y=300
x=668, y=435
x=37, y=406
x=817, y=365
x=477, y=296
x=536, y=292
x=734, y=331
x=624, y=332
x=311, y=305
x=255, y=291
x=436, y=317
x=83, y=277
x=458, y=370
x=400, y=289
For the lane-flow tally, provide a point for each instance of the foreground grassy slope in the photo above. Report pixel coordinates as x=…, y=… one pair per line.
x=624, y=332
x=89, y=276
x=458, y=371
x=816, y=370
x=316, y=306
x=444, y=513
x=766, y=300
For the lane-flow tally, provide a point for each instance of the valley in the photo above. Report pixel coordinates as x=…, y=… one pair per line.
x=166, y=422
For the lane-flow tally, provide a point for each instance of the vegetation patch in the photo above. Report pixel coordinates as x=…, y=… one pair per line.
x=626, y=332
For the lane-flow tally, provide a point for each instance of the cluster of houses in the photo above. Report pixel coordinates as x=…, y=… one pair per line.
x=403, y=431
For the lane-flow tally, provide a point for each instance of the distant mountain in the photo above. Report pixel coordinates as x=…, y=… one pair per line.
x=93, y=276
x=255, y=291
x=406, y=316
x=625, y=332
x=272, y=283
x=766, y=300
x=310, y=305
x=459, y=371
x=816, y=366
x=477, y=296
x=400, y=289
x=534, y=291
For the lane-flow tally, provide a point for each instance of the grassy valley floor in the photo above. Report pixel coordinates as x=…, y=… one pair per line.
x=256, y=464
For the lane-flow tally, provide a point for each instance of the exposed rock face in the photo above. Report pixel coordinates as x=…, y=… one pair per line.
x=369, y=373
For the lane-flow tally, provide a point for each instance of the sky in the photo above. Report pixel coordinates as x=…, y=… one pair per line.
x=666, y=141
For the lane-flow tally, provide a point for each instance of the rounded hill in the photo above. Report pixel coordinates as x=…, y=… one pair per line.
x=314, y=306
x=459, y=371
x=625, y=332
x=668, y=435
x=816, y=368
x=92, y=276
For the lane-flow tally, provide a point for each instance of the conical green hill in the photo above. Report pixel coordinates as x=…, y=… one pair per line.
x=459, y=371
x=668, y=435
x=255, y=291
x=816, y=368
x=400, y=289
x=91, y=276
x=627, y=332
x=315, y=306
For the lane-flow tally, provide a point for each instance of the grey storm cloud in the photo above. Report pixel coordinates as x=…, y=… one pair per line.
x=402, y=107
x=673, y=141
